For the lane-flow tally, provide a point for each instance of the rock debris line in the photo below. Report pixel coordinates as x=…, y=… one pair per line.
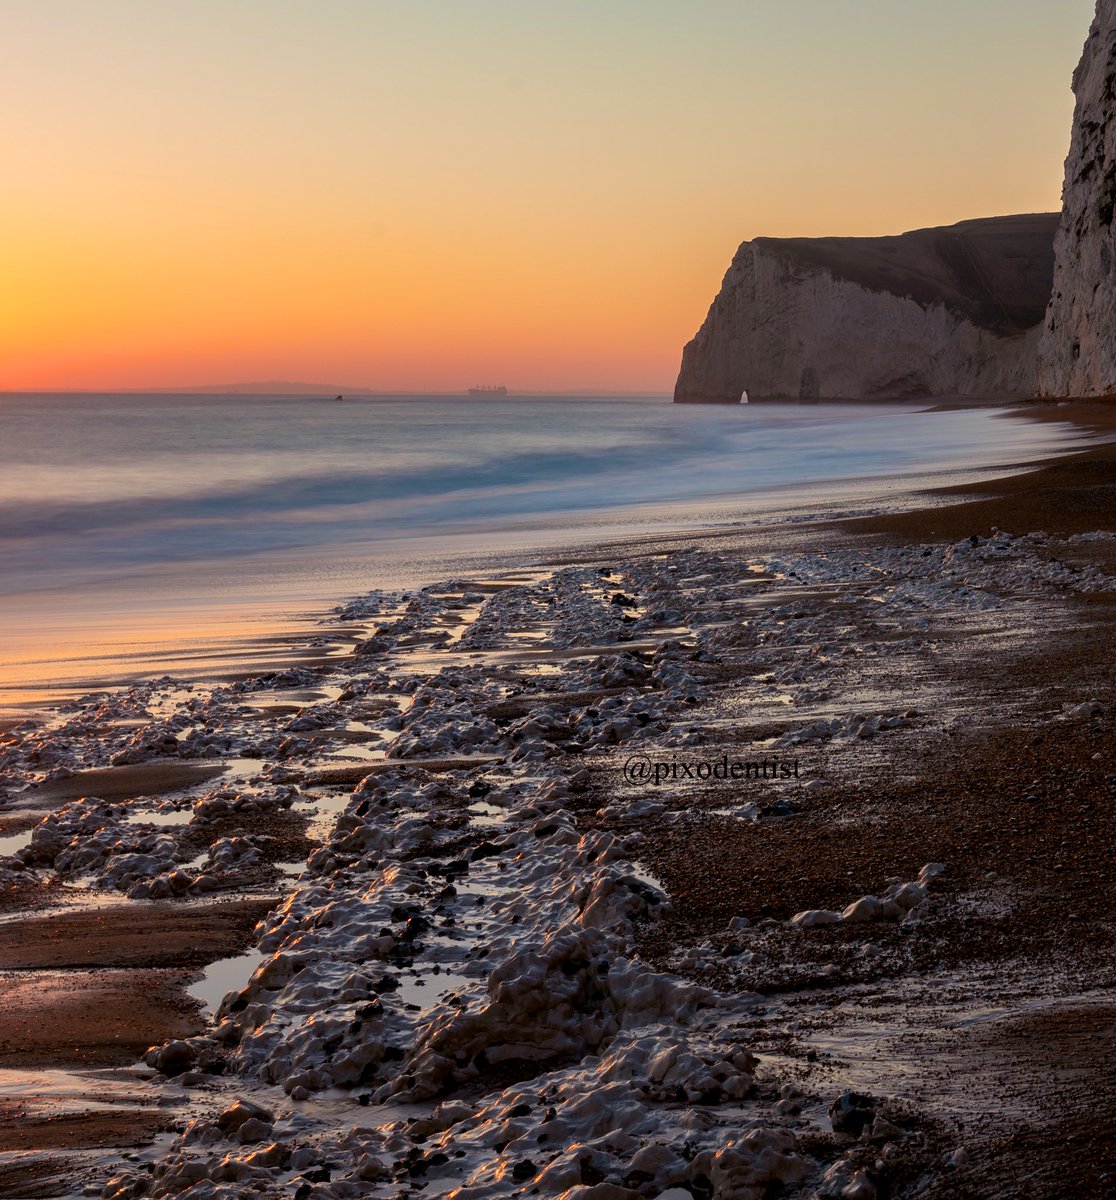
x=448, y=999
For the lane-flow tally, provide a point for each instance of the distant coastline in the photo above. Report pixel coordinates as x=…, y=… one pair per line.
x=267, y=387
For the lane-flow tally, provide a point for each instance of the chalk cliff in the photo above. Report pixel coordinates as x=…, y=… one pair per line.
x=1077, y=353
x=949, y=311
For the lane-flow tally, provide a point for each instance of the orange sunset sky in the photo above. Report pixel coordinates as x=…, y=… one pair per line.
x=425, y=194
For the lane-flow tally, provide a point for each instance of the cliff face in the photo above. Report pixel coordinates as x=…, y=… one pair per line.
x=1077, y=354
x=950, y=311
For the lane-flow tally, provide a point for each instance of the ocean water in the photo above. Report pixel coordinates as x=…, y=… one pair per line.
x=136, y=513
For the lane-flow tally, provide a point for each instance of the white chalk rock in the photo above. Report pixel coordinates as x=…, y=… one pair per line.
x=814, y=917
x=1077, y=354
x=748, y=1167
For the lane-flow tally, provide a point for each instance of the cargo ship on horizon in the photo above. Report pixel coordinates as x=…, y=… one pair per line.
x=488, y=389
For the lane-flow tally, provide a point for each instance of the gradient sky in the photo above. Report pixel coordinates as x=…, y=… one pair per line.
x=424, y=194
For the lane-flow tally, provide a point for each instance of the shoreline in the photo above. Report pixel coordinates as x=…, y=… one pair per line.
x=969, y=668
x=250, y=609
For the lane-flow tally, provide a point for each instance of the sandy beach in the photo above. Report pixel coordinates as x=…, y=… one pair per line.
x=775, y=857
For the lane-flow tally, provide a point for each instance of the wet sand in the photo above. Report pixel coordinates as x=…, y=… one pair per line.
x=122, y=783
x=154, y=935
x=91, y=1018
x=26, y=1130
x=1071, y=494
x=88, y=990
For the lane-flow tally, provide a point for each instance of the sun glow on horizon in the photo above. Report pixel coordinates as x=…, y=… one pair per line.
x=419, y=197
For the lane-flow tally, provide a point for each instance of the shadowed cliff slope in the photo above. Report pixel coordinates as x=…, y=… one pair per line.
x=994, y=272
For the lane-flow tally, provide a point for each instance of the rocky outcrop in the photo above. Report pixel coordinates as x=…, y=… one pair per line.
x=948, y=311
x=1077, y=354
x=1006, y=306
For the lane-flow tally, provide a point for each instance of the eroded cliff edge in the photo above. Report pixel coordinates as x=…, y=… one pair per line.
x=1077, y=354
x=956, y=310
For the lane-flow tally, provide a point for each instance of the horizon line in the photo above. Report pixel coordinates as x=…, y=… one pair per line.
x=320, y=391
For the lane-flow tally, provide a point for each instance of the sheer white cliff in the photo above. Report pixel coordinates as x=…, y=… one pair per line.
x=1077, y=354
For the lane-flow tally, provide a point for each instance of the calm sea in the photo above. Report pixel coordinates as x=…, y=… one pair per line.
x=135, y=512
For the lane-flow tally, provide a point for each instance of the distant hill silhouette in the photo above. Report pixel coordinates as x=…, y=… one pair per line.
x=269, y=387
